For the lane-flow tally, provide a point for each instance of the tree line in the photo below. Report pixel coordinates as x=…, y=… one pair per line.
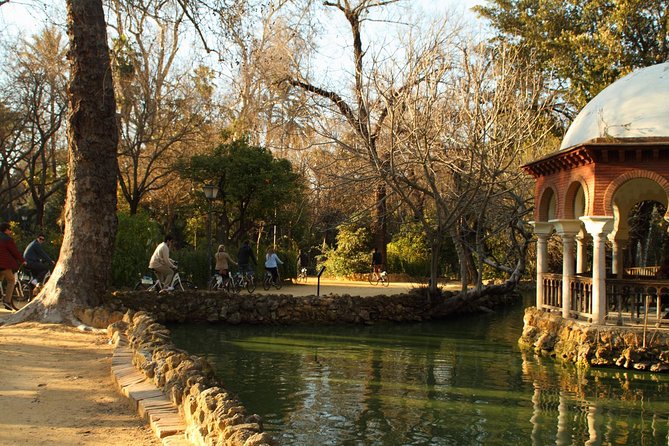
x=424, y=133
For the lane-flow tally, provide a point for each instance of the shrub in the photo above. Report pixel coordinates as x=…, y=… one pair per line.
x=409, y=252
x=352, y=254
x=136, y=238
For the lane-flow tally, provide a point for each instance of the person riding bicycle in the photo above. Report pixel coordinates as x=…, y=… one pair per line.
x=37, y=260
x=272, y=262
x=246, y=258
x=223, y=261
x=10, y=260
x=162, y=264
x=302, y=260
x=377, y=262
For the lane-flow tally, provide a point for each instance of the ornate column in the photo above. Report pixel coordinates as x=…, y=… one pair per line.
x=582, y=239
x=543, y=231
x=599, y=227
x=567, y=229
x=619, y=240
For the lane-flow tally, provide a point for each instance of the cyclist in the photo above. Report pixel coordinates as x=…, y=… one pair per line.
x=10, y=260
x=246, y=259
x=223, y=261
x=302, y=260
x=37, y=260
x=162, y=264
x=272, y=262
x=377, y=262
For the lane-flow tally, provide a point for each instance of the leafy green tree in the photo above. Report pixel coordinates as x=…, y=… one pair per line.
x=352, y=253
x=409, y=251
x=583, y=46
x=255, y=188
x=136, y=239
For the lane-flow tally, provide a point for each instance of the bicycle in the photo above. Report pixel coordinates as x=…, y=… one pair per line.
x=243, y=280
x=27, y=287
x=147, y=283
x=382, y=278
x=302, y=275
x=269, y=281
x=221, y=283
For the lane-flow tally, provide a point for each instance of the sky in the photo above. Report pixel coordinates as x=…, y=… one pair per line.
x=333, y=61
x=24, y=16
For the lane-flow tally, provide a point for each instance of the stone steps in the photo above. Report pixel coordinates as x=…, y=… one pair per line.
x=151, y=403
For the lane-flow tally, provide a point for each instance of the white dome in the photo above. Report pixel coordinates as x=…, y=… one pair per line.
x=635, y=106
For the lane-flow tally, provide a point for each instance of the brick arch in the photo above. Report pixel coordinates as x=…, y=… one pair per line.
x=619, y=181
x=544, y=201
x=570, y=197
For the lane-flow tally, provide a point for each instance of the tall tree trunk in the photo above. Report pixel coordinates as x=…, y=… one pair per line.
x=379, y=224
x=434, y=265
x=84, y=266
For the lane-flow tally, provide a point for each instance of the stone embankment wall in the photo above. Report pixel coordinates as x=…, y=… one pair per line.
x=595, y=345
x=213, y=415
x=283, y=309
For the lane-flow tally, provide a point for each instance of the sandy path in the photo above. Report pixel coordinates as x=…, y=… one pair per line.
x=339, y=287
x=56, y=389
x=354, y=288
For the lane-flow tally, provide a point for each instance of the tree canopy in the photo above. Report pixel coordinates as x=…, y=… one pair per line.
x=583, y=46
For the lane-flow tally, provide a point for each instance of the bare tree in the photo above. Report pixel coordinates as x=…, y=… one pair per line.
x=161, y=111
x=84, y=266
x=38, y=76
x=441, y=125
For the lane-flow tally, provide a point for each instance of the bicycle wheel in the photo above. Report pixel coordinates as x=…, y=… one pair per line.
x=23, y=293
x=384, y=281
x=277, y=284
x=267, y=281
x=188, y=285
x=141, y=286
x=214, y=284
x=250, y=284
x=373, y=279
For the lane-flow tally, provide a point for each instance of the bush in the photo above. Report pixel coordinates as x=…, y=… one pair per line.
x=193, y=264
x=409, y=252
x=352, y=254
x=136, y=238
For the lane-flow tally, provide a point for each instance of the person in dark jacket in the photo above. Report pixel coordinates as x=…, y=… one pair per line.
x=37, y=260
x=10, y=260
x=246, y=258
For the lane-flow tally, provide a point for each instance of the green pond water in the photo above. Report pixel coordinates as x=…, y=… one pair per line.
x=456, y=382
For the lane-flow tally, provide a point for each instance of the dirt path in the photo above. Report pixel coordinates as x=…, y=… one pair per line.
x=354, y=288
x=55, y=389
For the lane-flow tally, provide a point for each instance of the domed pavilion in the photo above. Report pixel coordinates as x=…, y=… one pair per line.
x=614, y=156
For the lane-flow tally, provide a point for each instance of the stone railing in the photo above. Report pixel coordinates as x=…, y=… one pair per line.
x=212, y=414
x=642, y=271
x=552, y=287
x=629, y=301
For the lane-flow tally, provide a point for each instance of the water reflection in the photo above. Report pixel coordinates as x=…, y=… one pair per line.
x=453, y=383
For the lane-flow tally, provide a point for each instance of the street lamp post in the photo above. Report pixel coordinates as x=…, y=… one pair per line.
x=210, y=193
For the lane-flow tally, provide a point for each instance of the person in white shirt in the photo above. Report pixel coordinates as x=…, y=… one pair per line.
x=272, y=263
x=162, y=264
